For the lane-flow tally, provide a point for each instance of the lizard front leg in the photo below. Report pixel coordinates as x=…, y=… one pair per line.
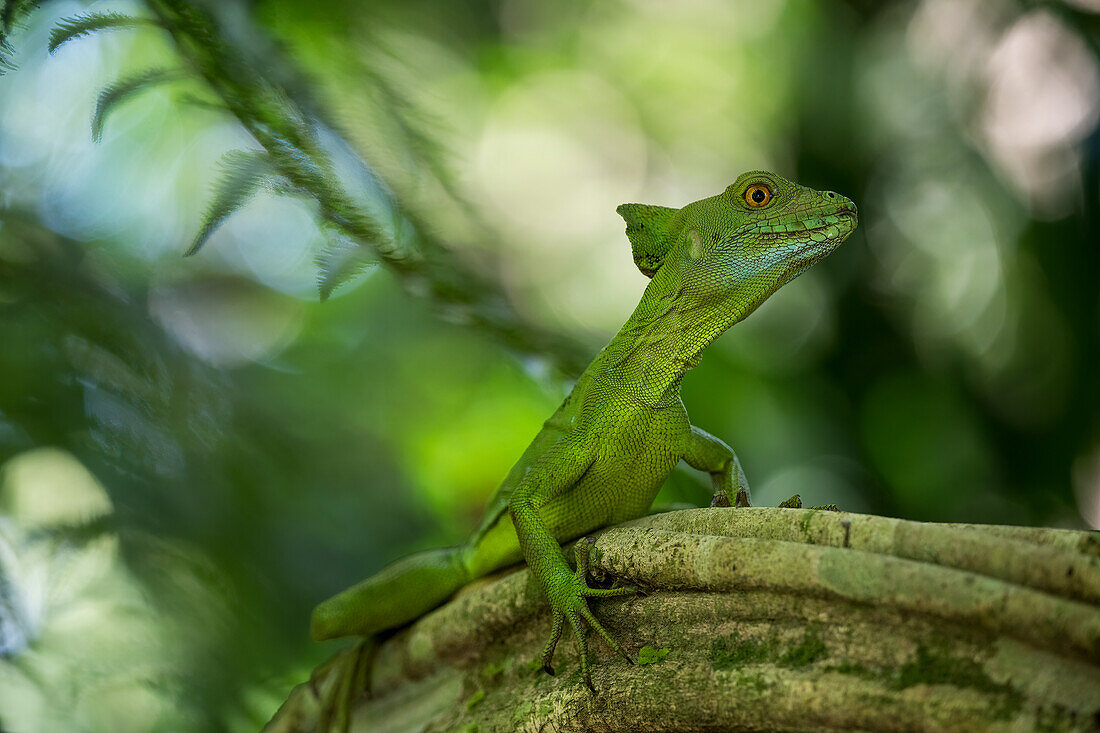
x=553, y=474
x=708, y=453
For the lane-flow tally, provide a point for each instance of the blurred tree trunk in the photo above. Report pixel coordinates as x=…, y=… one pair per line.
x=768, y=619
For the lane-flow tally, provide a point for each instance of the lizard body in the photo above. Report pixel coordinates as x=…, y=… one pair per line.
x=603, y=455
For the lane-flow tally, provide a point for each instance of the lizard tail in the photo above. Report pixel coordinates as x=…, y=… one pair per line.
x=401, y=592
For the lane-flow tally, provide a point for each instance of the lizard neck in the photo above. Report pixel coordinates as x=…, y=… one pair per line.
x=661, y=341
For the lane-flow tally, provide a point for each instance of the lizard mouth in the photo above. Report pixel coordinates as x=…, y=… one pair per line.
x=845, y=221
x=848, y=213
x=848, y=217
x=844, y=218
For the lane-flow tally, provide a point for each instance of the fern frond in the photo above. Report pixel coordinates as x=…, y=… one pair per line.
x=125, y=88
x=6, y=52
x=244, y=172
x=11, y=12
x=301, y=169
x=82, y=25
x=194, y=100
x=340, y=261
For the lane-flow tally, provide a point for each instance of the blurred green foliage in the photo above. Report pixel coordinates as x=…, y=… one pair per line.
x=194, y=452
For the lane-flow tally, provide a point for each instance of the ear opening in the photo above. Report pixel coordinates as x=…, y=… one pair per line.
x=647, y=228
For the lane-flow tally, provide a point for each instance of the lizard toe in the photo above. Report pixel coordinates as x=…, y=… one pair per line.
x=720, y=499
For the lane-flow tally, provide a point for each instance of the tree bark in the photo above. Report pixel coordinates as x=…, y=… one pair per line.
x=767, y=619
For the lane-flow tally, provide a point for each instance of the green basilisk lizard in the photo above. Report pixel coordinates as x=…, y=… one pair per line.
x=602, y=456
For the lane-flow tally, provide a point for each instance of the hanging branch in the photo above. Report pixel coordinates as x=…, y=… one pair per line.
x=302, y=153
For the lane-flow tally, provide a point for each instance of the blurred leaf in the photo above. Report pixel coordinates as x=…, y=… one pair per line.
x=239, y=63
x=125, y=88
x=244, y=172
x=194, y=100
x=340, y=261
x=5, y=52
x=10, y=12
x=82, y=25
x=16, y=626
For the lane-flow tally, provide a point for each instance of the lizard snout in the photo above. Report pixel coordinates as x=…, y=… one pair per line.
x=844, y=204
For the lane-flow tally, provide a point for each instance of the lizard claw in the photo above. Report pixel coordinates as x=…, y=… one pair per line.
x=722, y=499
x=569, y=602
x=351, y=670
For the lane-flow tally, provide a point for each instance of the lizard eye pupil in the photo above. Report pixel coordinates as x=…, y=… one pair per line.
x=758, y=195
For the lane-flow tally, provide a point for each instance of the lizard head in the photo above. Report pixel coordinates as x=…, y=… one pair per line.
x=743, y=244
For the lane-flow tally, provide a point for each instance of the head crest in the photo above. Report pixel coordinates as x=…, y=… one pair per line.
x=647, y=228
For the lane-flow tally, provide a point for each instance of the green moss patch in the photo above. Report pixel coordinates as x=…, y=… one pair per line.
x=473, y=700
x=1090, y=544
x=492, y=672
x=807, y=651
x=857, y=670
x=732, y=652
x=651, y=655
x=931, y=668
x=935, y=667
x=804, y=523
x=753, y=682
x=523, y=713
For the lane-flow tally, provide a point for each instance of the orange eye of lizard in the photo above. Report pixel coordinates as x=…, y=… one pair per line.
x=757, y=195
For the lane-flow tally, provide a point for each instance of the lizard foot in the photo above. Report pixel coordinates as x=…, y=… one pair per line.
x=569, y=602
x=795, y=502
x=350, y=670
x=722, y=499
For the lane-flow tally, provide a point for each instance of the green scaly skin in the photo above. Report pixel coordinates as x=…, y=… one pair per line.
x=601, y=458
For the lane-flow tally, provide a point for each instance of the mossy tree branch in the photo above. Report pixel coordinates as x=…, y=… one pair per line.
x=769, y=619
